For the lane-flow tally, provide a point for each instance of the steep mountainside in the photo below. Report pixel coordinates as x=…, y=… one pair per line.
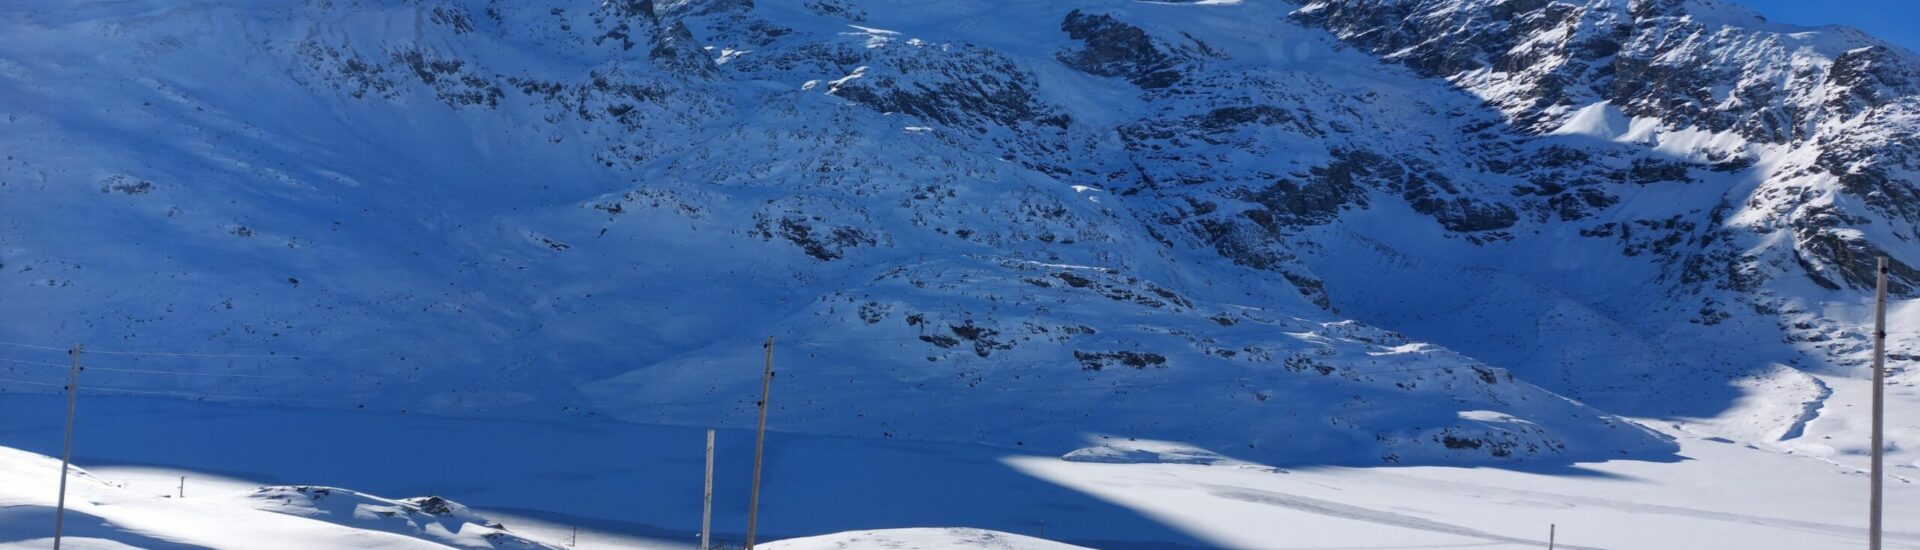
x=1027, y=224
x=1821, y=123
x=1785, y=166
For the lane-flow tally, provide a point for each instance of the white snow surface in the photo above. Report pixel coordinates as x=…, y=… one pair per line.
x=631, y=486
x=919, y=539
x=104, y=513
x=519, y=254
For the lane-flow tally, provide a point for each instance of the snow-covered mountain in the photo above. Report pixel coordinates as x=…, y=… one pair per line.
x=1816, y=128
x=1028, y=224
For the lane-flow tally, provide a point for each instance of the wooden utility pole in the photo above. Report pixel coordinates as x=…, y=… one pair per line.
x=1551, y=529
x=760, y=447
x=183, y=486
x=66, y=450
x=1879, y=399
x=706, y=503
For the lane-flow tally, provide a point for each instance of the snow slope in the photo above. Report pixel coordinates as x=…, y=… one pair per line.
x=103, y=514
x=551, y=211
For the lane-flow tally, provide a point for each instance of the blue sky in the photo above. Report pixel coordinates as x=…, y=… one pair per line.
x=1896, y=21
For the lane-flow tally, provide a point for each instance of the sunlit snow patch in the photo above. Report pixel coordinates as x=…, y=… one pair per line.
x=1600, y=120
x=835, y=84
x=1087, y=188
x=875, y=37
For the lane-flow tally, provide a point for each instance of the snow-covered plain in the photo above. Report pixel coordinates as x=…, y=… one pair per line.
x=919, y=539
x=636, y=486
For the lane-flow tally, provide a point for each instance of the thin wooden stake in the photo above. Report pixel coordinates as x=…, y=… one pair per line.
x=706, y=505
x=760, y=446
x=183, y=486
x=66, y=450
x=1551, y=529
x=1879, y=400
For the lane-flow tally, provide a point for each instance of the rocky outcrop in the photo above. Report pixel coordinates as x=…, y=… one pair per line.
x=960, y=86
x=1117, y=49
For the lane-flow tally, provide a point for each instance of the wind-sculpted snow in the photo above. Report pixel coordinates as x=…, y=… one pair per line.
x=110, y=513
x=1014, y=224
x=432, y=518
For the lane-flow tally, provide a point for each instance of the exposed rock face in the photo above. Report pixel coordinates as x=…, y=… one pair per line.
x=675, y=49
x=1114, y=48
x=964, y=86
x=1846, y=99
x=630, y=9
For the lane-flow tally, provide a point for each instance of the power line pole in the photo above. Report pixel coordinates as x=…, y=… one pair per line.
x=1879, y=398
x=1551, y=531
x=183, y=486
x=66, y=451
x=760, y=446
x=706, y=505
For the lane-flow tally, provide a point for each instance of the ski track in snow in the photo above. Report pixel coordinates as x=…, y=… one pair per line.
x=1911, y=538
x=1346, y=511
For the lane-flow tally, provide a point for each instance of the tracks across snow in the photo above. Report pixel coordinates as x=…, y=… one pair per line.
x=1370, y=515
x=1896, y=539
